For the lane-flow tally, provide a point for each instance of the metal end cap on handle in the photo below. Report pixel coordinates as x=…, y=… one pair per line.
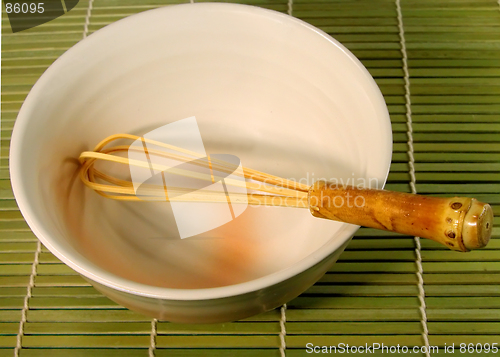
x=477, y=226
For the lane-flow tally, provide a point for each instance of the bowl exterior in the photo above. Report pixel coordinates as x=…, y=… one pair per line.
x=226, y=309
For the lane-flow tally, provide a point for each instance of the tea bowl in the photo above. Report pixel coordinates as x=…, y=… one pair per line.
x=280, y=94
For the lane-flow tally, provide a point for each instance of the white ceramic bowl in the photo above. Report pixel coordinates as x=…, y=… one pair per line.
x=280, y=94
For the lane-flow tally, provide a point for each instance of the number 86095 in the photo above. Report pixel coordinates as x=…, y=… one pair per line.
x=24, y=8
x=478, y=348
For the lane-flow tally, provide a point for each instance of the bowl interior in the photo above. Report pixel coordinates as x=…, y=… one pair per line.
x=282, y=96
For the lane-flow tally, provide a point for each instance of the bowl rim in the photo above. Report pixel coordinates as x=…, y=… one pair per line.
x=103, y=277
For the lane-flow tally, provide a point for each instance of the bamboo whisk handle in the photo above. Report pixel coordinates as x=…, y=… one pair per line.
x=460, y=223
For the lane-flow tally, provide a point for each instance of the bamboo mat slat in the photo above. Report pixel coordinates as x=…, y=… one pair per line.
x=372, y=294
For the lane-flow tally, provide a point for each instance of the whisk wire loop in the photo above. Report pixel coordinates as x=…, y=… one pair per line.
x=265, y=189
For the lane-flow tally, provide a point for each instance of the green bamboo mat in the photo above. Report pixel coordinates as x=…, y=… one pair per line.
x=452, y=53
